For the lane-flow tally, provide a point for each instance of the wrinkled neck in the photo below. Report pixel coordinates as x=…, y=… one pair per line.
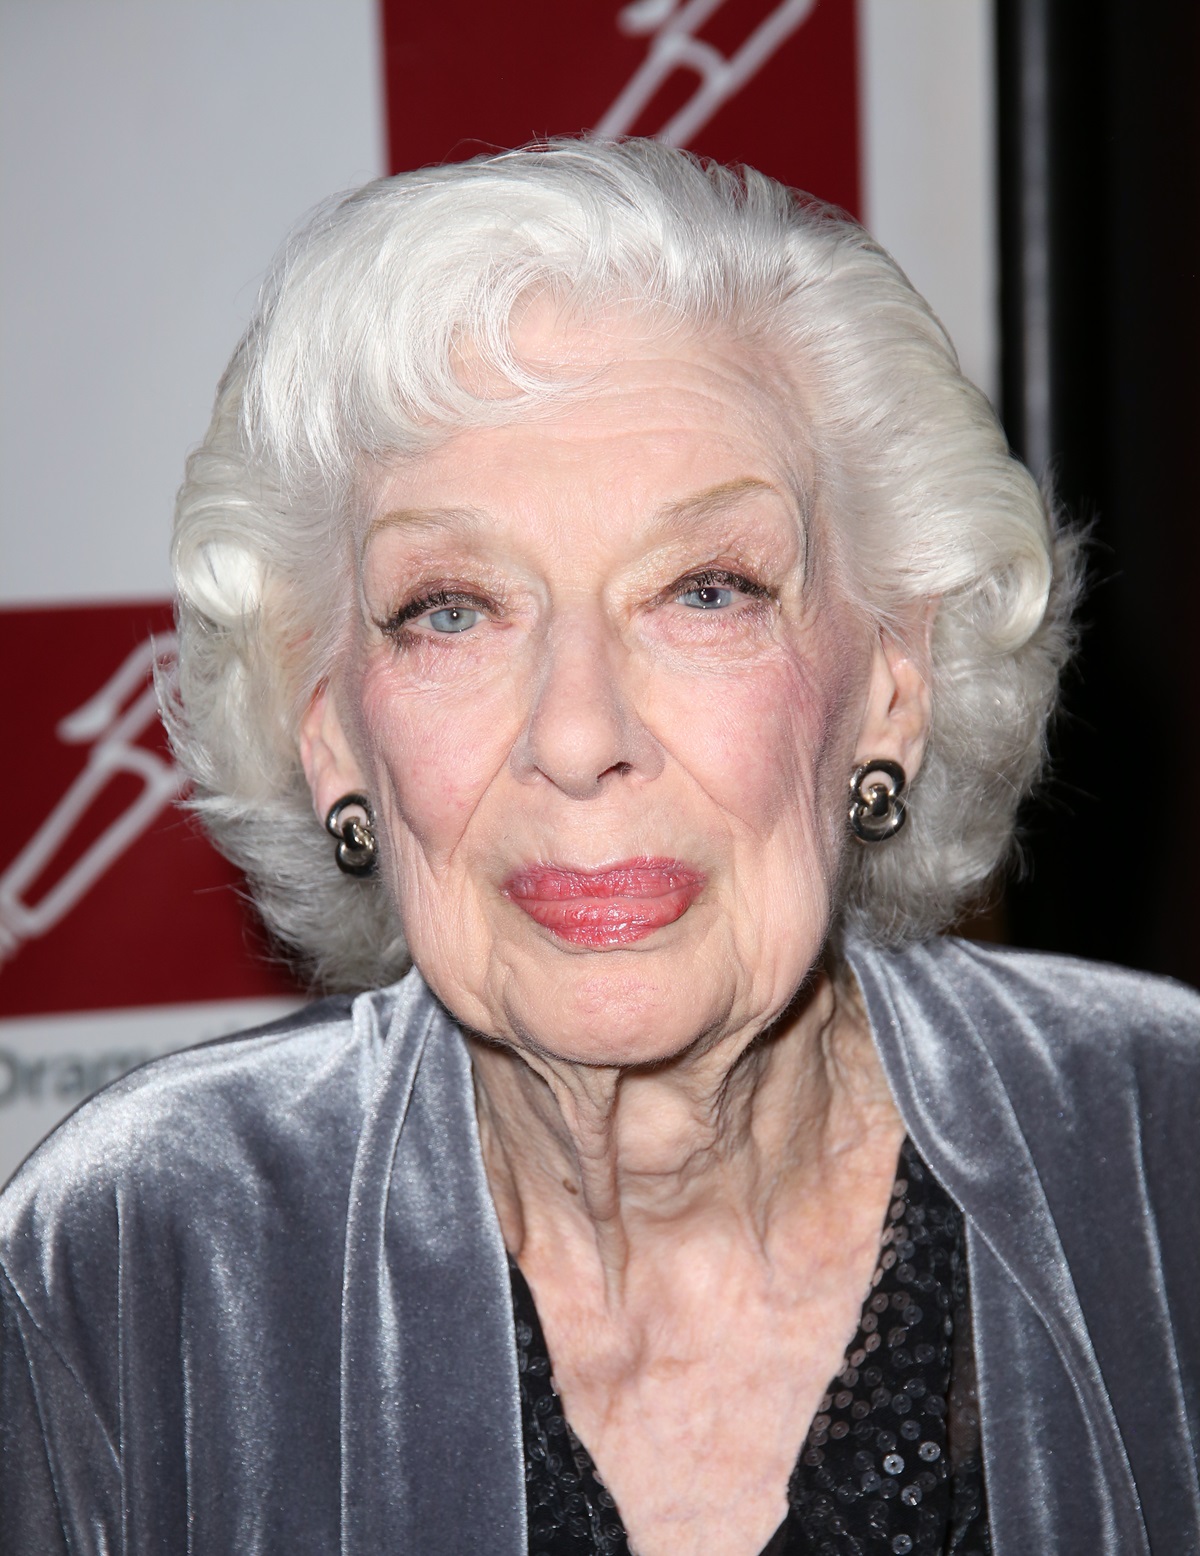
x=716, y=1144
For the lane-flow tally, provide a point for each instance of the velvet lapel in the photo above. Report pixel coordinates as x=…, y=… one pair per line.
x=1057, y=1471
x=431, y=1435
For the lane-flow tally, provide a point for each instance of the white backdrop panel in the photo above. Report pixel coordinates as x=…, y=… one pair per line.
x=152, y=156
x=928, y=95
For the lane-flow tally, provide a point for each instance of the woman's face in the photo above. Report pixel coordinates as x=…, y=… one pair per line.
x=605, y=697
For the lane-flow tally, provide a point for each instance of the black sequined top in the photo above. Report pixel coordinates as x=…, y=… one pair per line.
x=891, y=1463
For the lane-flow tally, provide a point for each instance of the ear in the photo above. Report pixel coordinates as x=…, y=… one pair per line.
x=329, y=764
x=898, y=710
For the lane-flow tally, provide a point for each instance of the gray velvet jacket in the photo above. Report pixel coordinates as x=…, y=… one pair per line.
x=255, y=1297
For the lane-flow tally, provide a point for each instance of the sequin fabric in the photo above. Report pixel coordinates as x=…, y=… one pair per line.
x=891, y=1465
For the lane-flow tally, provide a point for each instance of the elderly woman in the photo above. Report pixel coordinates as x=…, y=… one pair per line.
x=606, y=551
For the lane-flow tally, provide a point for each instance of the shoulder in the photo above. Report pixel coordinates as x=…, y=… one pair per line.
x=182, y=1108
x=1103, y=1014
x=994, y=1054
x=1038, y=1003
x=979, y=1039
x=218, y=1127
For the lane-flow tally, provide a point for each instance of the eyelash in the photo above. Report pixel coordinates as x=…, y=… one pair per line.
x=395, y=626
x=719, y=578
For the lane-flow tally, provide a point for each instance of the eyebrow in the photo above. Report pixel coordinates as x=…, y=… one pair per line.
x=673, y=519
x=715, y=500
x=423, y=518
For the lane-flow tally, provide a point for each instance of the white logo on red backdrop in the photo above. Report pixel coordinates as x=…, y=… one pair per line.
x=110, y=723
x=676, y=45
x=773, y=83
x=110, y=896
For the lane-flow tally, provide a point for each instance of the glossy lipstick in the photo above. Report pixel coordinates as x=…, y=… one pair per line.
x=614, y=906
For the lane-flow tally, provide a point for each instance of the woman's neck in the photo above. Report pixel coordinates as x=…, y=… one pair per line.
x=594, y=1167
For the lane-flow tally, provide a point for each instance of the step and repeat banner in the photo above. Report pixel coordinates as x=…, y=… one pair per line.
x=151, y=158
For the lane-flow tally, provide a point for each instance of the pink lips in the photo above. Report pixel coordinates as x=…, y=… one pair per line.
x=610, y=907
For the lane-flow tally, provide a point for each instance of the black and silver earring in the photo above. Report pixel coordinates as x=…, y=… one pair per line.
x=877, y=808
x=351, y=822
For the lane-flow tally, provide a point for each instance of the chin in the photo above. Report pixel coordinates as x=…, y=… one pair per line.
x=615, y=1016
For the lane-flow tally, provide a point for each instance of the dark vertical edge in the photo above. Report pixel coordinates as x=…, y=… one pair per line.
x=1099, y=136
x=388, y=21
x=1023, y=190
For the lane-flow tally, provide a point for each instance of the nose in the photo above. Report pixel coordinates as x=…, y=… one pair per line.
x=582, y=730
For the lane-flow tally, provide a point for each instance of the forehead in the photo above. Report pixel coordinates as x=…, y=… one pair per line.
x=646, y=422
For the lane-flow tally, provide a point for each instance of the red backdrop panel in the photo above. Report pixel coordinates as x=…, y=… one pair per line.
x=109, y=895
x=465, y=76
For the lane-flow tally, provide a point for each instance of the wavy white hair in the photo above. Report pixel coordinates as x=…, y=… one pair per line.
x=354, y=359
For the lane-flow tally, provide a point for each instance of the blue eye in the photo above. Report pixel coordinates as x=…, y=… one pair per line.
x=453, y=618
x=708, y=597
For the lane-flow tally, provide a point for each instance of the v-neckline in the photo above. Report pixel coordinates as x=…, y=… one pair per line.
x=874, y=1462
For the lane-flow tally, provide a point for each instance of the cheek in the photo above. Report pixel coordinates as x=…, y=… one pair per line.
x=766, y=745
x=434, y=755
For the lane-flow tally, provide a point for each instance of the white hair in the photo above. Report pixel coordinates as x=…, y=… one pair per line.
x=354, y=359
